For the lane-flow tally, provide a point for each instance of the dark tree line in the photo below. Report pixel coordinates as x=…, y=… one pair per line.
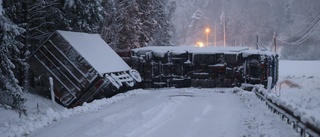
x=26, y=24
x=137, y=23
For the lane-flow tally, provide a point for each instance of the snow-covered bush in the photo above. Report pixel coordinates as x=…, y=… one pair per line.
x=10, y=91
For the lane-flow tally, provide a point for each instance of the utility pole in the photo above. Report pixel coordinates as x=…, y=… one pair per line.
x=215, y=35
x=275, y=41
x=224, y=32
x=257, y=42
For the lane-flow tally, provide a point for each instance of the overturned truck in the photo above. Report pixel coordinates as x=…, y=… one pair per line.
x=185, y=66
x=82, y=66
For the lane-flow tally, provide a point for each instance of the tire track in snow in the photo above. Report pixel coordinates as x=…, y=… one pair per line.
x=156, y=116
x=206, y=109
x=171, y=112
x=202, y=113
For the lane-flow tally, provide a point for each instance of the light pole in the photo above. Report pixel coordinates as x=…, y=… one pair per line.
x=207, y=34
x=224, y=32
x=275, y=42
x=215, y=35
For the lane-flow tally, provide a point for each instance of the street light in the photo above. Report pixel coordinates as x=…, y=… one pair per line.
x=199, y=44
x=215, y=35
x=207, y=34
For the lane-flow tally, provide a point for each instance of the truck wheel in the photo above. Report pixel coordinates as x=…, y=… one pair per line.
x=135, y=75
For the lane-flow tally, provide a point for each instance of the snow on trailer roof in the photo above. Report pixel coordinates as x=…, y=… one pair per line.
x=204, y=50
x=256, y=52
x=95, y=51
x=192, y=49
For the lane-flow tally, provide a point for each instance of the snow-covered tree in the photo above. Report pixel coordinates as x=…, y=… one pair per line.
x=136, y=23
x=84, y=15
x=148, y=22
x=36, y=18
x=110, y=24
x=122, y=27
x=10, y=91
x=165, y=30
x=40, y=18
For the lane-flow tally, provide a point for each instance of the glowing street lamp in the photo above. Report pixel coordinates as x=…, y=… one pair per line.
x=207, y=35
x=199, y=44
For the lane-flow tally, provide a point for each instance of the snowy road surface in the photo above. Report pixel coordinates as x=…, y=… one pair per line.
x=188, y=112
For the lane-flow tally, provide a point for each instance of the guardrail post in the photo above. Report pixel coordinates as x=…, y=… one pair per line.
x=52, y=93
x=269, y=84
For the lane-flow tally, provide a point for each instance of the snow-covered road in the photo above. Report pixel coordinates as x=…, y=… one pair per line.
x=171, y=112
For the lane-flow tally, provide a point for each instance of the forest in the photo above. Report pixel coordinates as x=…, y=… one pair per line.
x=127, y=24
x=26, y=24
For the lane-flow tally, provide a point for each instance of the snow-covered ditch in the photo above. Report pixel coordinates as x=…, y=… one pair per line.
x=40, y=113
x=300, y=86
x=283, y=107
x=298, y=90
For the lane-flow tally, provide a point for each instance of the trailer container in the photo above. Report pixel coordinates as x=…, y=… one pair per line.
x=82, y=66
x=185, y=66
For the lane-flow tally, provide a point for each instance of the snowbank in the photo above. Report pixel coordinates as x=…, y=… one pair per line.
x=43, y=114
x=298, y=89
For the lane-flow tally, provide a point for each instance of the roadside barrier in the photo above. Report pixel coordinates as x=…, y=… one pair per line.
x=304, y=125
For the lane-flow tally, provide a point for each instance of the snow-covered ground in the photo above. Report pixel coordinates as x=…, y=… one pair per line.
x=168, y=112
x=299, y=84
x=172, y=112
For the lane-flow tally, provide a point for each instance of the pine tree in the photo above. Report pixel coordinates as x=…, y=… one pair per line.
x=111, y=24
x=163, y=13
x=122, y=25
x=39, y=18
x=85, y=16
x=131, y=24
x=10, y=91
x=149, y=24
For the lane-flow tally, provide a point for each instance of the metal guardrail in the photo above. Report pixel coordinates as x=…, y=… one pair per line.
x=305, y=129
